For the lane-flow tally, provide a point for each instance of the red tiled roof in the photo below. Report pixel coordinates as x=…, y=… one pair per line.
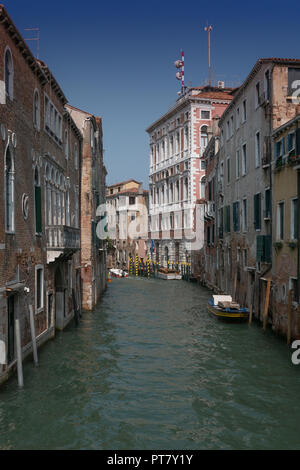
x=217, y=95
x=123, y=182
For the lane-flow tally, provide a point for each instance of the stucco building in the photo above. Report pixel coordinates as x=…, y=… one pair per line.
x=244, y=180
x=127, y=213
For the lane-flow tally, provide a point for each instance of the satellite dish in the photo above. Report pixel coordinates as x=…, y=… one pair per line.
x=179, y=75
x=178, y=64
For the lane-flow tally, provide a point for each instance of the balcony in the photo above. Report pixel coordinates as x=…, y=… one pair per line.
x=61, y=239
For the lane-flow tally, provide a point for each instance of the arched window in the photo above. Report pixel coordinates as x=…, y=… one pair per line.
x=9, y=191
x=38, y=201
x=66, y=144
x=8, y=74
x=186, y=189
x=203, y=138
x=36, y=110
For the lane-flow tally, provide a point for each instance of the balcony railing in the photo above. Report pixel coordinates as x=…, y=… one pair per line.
x=60, y=237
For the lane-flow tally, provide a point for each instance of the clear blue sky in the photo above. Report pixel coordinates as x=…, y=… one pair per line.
x=115, y=58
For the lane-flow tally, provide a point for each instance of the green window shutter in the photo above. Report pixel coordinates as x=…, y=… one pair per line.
x=268, y=249
x=259, y=248
x=38, y=209
x=257, y=211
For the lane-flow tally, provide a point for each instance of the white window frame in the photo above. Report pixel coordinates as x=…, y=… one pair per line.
x=278, y=234
x=293, y=237
x=257, y=150
x=238, y=163
x=244, y=111
x=244, y=160
x=37, y=268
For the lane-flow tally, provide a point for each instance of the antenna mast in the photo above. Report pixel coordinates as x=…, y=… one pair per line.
x=37, y=39
x=179, y=64
x=208, y=29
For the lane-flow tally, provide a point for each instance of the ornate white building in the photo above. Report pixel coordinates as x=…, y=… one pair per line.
x=177, y=172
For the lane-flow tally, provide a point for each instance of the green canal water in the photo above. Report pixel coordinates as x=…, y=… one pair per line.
x=149, y=368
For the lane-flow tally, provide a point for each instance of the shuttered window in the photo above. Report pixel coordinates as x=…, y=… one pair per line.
x=257, y=211
x=236, y=216
x=263, y=248
x=227, y=218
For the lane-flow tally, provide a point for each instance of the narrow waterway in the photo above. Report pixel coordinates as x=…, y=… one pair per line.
x=150, y=369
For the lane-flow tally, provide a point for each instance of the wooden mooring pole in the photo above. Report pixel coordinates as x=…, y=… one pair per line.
x=267, y=301
x=19, y=353
x=33, y=338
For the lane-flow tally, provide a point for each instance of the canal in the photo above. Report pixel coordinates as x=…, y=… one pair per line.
x=150, y=369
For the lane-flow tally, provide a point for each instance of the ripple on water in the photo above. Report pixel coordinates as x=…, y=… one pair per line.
x=150, y=369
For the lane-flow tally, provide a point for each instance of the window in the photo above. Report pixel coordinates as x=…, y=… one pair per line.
x=66, y=144
x=227, y=219
x=39, y=288
x=244, y=110
x=257, y=149
x=294, y=219
x=280, y=221
x=237, y=164
x=279, y=148
x=267, y=85
x=203, y=165
x=257, y=94
x=231, y=126
x=238, y=118
x=203, y=139
x=245, y=216
x=228, y=169
x=8, y=74
x=293, y=78
x=202, y=187
x=257, y=211
x=205, y=114
x=36, y=110
x=227, y=130
x=236, y=216
x=177, y=142
x=267, y=203
x=291, y=139
x=186, y=189
x=244, y=159
x=222, y=138
x=131, y=200
x=38, y=202
x=186, y=138
x=9, y=192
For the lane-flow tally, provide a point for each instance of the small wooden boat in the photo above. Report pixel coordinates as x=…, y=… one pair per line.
x=222, y=307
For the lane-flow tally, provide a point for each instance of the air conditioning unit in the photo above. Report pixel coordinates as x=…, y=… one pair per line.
x=221, y=84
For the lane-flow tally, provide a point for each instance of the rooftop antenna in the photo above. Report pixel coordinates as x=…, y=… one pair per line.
x=208, y=29
x=179, y=64
x=37, y=39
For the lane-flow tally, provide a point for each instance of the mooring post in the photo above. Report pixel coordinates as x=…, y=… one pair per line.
x=33, y=338
x=19, y=352
x=267, y=305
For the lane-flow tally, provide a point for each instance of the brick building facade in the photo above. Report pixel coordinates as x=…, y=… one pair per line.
x=39, y=199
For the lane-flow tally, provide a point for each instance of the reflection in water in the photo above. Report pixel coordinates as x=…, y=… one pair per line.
x=150, y=369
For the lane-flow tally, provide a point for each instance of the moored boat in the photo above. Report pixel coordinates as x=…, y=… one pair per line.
x=222, y=307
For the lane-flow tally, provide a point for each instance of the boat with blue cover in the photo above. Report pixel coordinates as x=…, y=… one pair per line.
x=222, y=307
